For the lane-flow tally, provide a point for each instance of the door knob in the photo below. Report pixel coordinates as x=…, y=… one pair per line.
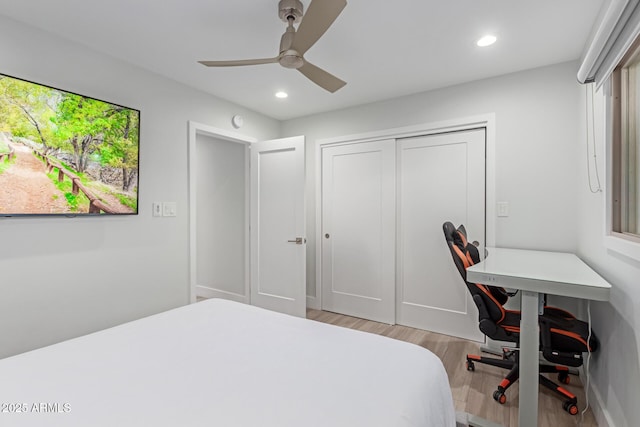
x=298, y=240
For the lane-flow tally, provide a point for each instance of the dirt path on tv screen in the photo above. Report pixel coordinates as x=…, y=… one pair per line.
x=25, y=187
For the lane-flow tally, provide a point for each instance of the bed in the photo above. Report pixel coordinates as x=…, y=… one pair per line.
x=221, y=363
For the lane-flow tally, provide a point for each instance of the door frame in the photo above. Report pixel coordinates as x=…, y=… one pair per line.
x=486, y=121
x=195, y=129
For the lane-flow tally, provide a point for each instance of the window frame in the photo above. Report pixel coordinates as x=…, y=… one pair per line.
x=620, y=129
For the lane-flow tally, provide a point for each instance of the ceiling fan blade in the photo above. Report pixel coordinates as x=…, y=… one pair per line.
x=318, y=18
x=322, y=78
x=239, y=62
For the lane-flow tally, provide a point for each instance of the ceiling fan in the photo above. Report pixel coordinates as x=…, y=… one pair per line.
x=293, y=44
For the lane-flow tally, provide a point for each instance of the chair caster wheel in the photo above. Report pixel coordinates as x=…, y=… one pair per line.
x=499, y=397
x=570, y=407
x=470, y=366
x=564, y=378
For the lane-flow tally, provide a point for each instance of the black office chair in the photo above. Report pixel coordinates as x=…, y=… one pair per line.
x=563, y=338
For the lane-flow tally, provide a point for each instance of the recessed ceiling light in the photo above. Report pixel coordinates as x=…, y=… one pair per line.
x=281, y=94
x=487, y=40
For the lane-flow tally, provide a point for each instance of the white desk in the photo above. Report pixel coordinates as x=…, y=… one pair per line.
x=534, y=273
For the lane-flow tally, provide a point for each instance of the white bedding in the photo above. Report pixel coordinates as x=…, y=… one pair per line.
x=224, y=364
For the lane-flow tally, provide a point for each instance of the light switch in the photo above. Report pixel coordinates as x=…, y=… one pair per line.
x=169, y=209
x=503, y=209
x=157, y=209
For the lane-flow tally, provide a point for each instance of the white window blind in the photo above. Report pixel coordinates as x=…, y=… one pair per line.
x=616, y=31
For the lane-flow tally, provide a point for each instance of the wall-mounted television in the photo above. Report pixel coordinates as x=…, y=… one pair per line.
x=62, y=153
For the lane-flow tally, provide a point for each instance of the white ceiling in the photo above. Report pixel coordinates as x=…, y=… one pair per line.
x=381, y=48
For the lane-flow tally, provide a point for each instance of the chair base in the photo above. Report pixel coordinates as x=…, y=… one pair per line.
x=510, y=361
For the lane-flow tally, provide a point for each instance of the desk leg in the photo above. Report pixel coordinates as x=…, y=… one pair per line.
x=529, y=346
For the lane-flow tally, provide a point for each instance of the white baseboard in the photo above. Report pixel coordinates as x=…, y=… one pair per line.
x=598, y=407
x=205, y=292
x=313, y=302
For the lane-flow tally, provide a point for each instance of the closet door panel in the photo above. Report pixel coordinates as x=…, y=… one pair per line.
x=358, y=230
x=428, y=198
x=440, y=178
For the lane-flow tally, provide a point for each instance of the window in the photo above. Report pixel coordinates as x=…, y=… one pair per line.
x=626, y=145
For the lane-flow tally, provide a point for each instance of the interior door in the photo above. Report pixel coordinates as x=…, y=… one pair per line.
x=278, y=241
x=358, y=230
x=440, y=178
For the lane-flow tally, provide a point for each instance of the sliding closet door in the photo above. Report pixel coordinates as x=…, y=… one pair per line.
x=440, y=178
x=358, y=230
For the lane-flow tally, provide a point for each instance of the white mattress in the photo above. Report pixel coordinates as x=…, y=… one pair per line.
x=224, y=364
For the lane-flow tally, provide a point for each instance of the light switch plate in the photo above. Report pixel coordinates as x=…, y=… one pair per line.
x=503, y=209
x=157, y=209
x=169, y=209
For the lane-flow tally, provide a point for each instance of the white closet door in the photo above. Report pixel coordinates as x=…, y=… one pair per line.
x=440, y=178
x=278, y=241
x=358, y=230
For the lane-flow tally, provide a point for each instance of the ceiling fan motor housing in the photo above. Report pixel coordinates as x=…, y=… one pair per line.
x=291, y=59
x=290, y=9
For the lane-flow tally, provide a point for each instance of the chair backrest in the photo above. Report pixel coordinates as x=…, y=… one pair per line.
x=488, y=299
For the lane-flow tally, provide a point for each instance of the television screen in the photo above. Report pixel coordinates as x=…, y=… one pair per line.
x=65, y=154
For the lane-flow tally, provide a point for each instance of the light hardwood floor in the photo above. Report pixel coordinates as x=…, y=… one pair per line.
x=472, y=391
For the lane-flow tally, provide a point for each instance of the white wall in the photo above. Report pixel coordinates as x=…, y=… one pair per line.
x=221, y=215
x=60, y=278
x=616, y=367
x=536, y=143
